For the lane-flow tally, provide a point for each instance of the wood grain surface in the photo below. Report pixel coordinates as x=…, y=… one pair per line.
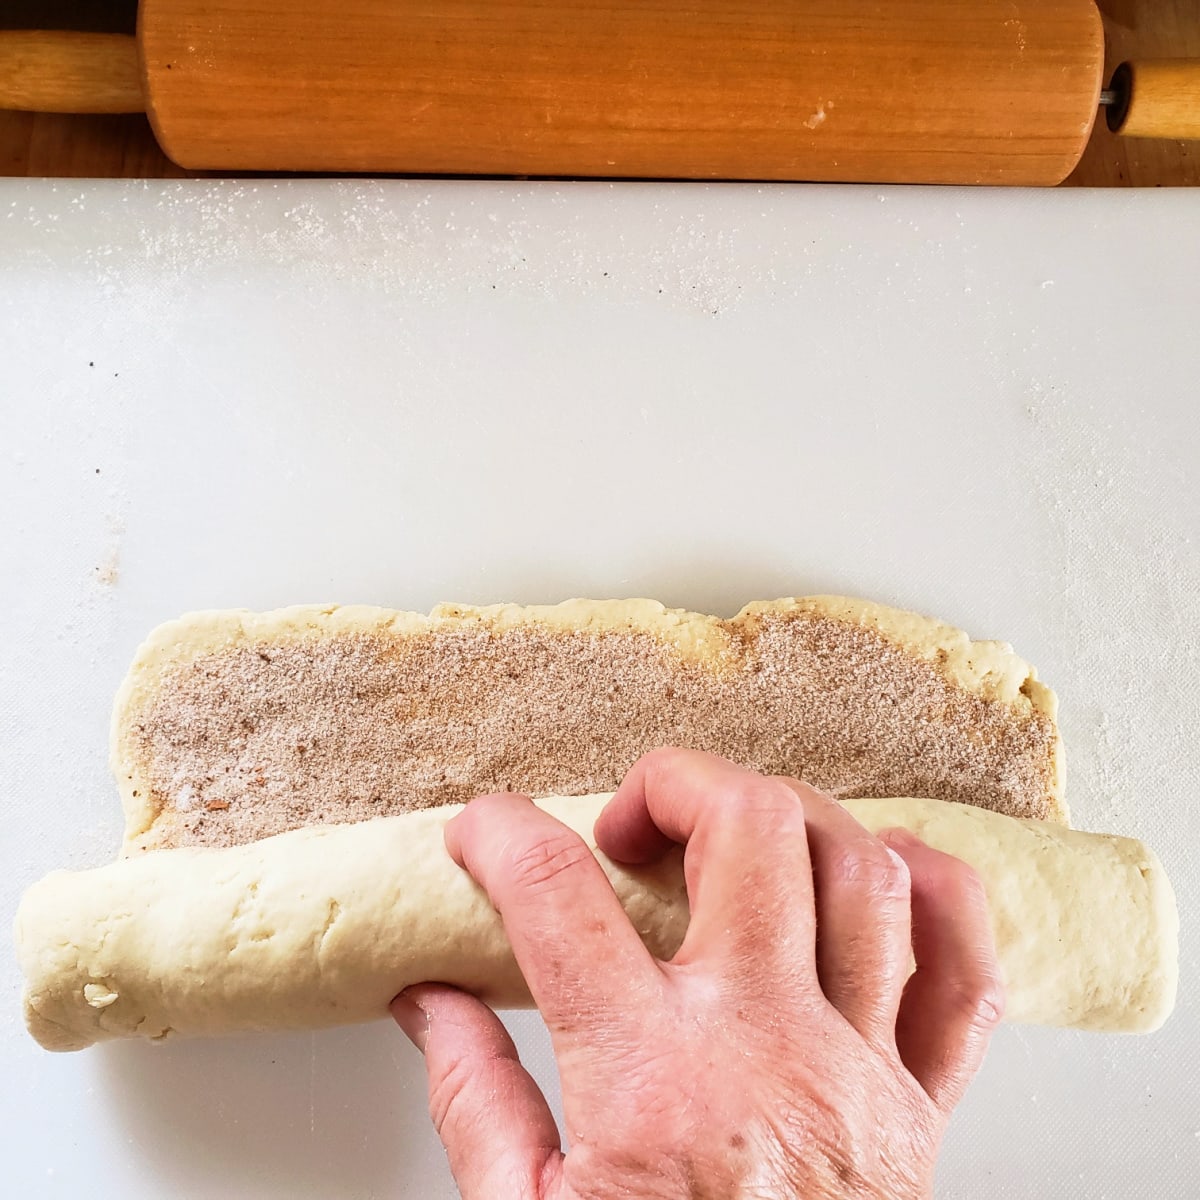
x=929, y=91
x=70, y=71
x=110, y=146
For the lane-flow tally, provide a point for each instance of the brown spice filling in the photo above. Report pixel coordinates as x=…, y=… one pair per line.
x=252, y=741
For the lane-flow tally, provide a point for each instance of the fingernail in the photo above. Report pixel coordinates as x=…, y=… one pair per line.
x=900, y=837
x=412, y=1019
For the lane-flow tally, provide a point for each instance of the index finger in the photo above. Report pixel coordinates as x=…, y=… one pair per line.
x=747, y=867
x=579, y=954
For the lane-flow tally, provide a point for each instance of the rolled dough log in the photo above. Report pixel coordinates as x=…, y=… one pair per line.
x=324, y=925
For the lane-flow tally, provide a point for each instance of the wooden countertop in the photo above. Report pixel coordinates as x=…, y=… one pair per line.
x=49, y=145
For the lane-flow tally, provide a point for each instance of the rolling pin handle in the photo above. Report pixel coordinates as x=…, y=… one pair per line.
x=64, y=72
x=1154, y=99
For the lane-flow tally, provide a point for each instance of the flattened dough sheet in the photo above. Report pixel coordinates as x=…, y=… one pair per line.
x=233, y=725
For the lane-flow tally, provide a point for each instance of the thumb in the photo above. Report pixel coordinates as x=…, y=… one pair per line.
x=499, y=1133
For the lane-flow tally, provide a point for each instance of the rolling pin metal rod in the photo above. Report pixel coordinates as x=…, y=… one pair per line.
x=922, y=91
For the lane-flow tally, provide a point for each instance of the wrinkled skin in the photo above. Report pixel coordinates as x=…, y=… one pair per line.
x=783, y=1052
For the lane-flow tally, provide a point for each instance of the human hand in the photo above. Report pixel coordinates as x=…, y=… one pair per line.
x=783, y=1052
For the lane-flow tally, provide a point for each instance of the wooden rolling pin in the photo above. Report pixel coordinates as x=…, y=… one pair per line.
x=909, y=91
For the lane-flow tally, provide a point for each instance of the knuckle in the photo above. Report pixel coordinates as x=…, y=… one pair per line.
x=989, y=1003
x=871, y=870
x=480, y=818
x=659, y=766
x=765, y=796
x=979, y=1000
x=991, y=1011
x=541, y=864
x=448, y=1094
x=803, y=790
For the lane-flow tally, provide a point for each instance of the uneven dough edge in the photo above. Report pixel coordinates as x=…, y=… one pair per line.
x=321, y=926
x=988, y=669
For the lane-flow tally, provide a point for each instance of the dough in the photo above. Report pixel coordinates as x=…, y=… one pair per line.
x=232, y=726
x=322, y=926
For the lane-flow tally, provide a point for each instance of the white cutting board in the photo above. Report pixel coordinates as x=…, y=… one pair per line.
x=979, y=405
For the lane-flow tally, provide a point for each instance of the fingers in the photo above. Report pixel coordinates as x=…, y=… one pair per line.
x=863, y=917
x=954, y=1000
x=579, y=954
x=497, y=1128
x=747, y=869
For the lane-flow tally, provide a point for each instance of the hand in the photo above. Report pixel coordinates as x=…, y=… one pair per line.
x=783, y=1052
